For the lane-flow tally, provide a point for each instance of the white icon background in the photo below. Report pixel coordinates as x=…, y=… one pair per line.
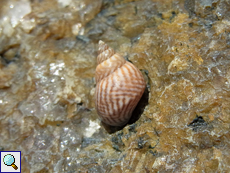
x=17, y=157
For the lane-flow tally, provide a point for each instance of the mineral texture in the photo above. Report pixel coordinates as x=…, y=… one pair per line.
x=48, y=52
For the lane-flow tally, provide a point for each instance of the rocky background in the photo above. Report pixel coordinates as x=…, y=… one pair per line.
x=48, y=52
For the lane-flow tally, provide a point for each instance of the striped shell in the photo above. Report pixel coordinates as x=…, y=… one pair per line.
x=120, y=86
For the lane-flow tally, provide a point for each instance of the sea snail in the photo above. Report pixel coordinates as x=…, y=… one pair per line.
x=120, y=85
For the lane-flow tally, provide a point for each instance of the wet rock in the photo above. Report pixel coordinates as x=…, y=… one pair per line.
x=48, y=55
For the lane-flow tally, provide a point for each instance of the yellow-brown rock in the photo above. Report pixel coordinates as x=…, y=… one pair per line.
x=48, y=55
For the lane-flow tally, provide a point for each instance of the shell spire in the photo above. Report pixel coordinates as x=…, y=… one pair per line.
x=102, y=46
x=104, y=52
x=120, y=86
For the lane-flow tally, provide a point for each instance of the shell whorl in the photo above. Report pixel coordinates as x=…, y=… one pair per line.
x=120, y=86
x=108, y=61
x=107, y=52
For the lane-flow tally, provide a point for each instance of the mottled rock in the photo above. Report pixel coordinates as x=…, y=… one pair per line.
x=48, y=55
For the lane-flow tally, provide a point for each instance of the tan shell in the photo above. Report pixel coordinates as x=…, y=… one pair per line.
x=120, y=86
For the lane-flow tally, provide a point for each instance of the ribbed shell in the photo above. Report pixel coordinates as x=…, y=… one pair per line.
x=120, y=86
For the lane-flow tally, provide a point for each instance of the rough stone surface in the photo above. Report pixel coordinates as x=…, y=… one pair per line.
x=47, y=61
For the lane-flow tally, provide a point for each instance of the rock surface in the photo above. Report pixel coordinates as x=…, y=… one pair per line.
x=48, y=55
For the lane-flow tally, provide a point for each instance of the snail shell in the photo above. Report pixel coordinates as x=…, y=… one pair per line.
x=120, y=86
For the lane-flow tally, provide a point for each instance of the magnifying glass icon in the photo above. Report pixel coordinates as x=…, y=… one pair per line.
x=9, y=161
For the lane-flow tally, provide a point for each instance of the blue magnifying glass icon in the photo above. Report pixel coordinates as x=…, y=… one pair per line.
x=9, y=161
